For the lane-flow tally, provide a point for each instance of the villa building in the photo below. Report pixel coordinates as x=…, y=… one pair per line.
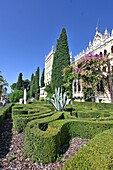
x=101, y=44
x=48, y=71
x=48, y=66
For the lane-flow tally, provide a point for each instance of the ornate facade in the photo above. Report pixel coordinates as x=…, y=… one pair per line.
x=48, y=72
x=101, y=44
x=48, y=66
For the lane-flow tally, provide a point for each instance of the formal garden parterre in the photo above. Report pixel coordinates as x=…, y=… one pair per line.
x=46, y=131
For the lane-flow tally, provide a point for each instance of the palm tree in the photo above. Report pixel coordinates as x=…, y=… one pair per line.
x=3, y=83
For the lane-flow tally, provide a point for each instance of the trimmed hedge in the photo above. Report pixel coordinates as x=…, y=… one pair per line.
x=22, y=117
x=20, y=122
x=80, y=128
x=96, y=155
x=4, y=112
x=42, y=145
x=64, y=131
x=46, y=131
x=22, y=114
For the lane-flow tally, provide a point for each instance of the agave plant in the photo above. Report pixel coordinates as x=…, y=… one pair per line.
x=59, y=100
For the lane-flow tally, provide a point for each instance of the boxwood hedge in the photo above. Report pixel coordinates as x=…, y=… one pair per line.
x=96, y=155
x=5, y=111
x=46, y=131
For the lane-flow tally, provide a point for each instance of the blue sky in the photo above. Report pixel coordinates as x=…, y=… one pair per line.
x=29, y=28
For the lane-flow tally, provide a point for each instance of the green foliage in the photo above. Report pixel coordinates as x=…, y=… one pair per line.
x=3, y=83
x=11, y=158
x=68, y=77
x=4, y=112
x=96, y=155
x=61, y=60
x=40, y=145
x=46, y=131
x=16, y=95
x=49, y=90
x=22, y=117
x=32, y=86
x=19, y=84
x=37, y=88
x=42, y=79
x=13, y=86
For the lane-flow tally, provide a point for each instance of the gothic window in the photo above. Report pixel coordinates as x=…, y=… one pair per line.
x=104, y=69
x=105, y=52
x=98, y=87
x=101, y=86
x=112, y=69
x=79, y=87
x=100, y=53
x=111, y=49
x=75, y=86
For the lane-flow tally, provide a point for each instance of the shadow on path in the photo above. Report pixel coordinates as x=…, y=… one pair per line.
x=5, y=137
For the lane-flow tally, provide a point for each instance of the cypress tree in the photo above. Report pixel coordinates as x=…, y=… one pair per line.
x=19, y=84
x=42, y=79
x=61, y=60
x=37, y=88
x=32, y=84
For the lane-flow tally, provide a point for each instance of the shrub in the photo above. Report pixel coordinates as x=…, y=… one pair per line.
x=96, y=155
x=16, y=95
x=5, y=111
x=41, y=146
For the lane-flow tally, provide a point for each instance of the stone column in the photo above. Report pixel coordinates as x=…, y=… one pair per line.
x=25, y=96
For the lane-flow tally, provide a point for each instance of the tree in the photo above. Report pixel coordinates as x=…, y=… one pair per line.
x=42, y=79
x=32, y=86
x=69, y=76
x=49, y=91
x=37, y=88
x=26, y=84
x=19, y=84
x=61, y=60
x=16, y=95
x=13, y=86
x=3, y=83
x=89, y=69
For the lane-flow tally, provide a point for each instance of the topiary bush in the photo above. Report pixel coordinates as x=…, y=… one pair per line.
x=42, y=145
x=5, y=111
x=22, y=114
x=96, y=155
x=46, y=130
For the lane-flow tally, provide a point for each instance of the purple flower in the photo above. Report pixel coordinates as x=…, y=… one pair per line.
x=89, y=83
x=78, y=70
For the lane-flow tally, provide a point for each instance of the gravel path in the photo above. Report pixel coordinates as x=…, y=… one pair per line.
x=11, y=145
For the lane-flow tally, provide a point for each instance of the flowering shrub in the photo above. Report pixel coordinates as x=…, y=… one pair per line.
x=68, y=77
x=89, y=69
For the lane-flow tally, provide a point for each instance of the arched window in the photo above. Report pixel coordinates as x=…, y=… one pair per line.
x=104, y=69
x=101, y=86
x=75, y=86
x=79, y=87
x=112, y=49
x=105, y=52
x=100, y=53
